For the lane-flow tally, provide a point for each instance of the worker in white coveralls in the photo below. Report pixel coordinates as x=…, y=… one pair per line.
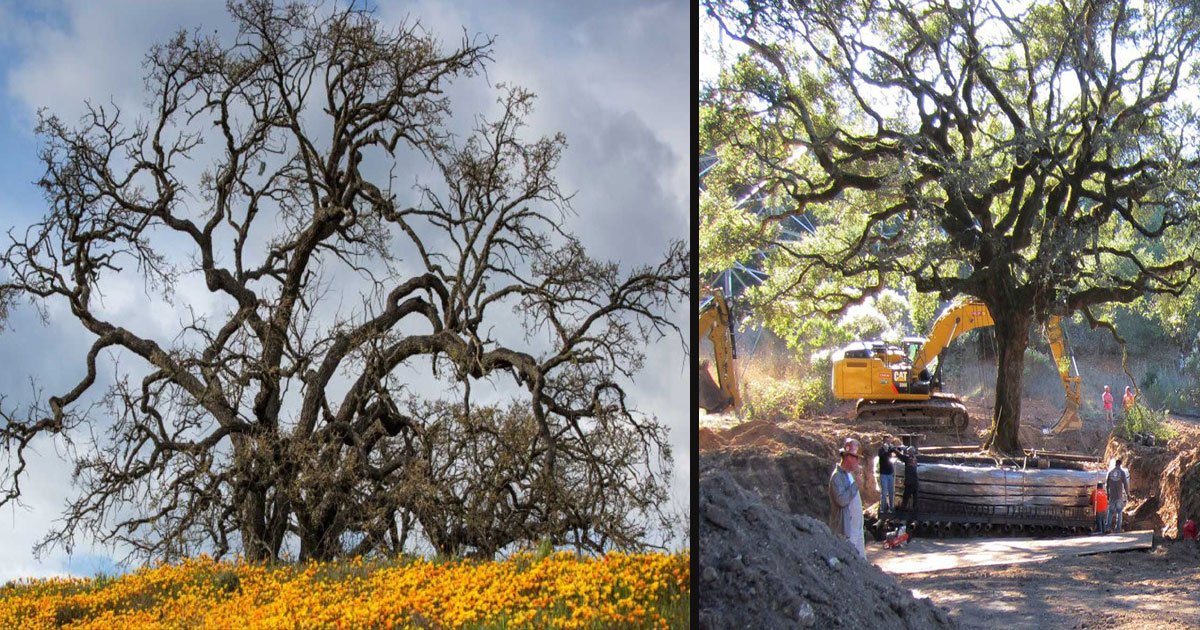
x=845, y=504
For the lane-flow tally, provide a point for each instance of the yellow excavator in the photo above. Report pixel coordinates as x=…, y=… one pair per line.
x=716, y=325
x=893, y=383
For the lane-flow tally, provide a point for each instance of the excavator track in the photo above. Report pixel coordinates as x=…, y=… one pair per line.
x=942, y=413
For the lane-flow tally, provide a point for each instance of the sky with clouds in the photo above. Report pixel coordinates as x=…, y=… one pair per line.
x=613, y=76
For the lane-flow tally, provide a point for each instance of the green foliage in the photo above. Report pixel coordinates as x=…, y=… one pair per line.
x=1169, y=388
x=777, y=400
x=1142, y=325
x=1143, y=419
x=885, y=316
x=545, y=548
x=923, y=309
x=778, y=384
x=729, y=234
x=69, y=612
x=226, y=581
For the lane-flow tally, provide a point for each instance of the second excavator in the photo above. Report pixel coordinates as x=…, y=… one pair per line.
x=716, y=325
x=893, y=384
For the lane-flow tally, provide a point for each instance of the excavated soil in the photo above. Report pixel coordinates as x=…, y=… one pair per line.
x=773, y=536
x=763, y=568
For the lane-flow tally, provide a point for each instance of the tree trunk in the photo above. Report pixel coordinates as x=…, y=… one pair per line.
x=250, y=494
x=1012, y=337
x=321, y=541
x=255, y=545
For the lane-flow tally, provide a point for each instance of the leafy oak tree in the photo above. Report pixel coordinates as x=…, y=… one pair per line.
x=286, y=413
x=1041, y=157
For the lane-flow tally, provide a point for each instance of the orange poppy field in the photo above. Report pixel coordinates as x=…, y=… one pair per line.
x=527, y=590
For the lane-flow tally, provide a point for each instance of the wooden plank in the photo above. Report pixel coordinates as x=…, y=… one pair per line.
x=973, y=452
x=1070, y=457
x=1004, y=476
x=967, y=499
x=998, y=500
x=942, y=450
x=1082, y=490
x=980, y=459
x=924, y=555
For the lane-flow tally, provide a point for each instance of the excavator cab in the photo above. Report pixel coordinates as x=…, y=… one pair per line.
x=923, y=381
x=912, y=346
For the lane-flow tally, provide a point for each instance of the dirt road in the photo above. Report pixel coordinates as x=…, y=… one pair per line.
x=1142, y=590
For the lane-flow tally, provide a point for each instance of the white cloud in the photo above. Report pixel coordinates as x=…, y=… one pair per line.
x=44, y=492
x=77, y=50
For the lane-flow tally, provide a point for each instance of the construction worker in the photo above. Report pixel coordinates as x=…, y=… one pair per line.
x=887, y=477
x=845, y=503
x=1107, y=398
x=1117, y=488
x=1100, y=505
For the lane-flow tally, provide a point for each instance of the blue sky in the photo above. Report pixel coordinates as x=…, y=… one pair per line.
x=18, y=150
x=613, y=76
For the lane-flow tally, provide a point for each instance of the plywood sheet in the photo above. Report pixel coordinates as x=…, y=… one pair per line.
x=924, y=555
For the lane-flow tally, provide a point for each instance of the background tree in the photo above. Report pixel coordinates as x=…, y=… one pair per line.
x=1040, y=157
x=288, y=413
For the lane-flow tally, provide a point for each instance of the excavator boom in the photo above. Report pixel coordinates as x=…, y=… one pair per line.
x=956, y=321
x=1071, y=384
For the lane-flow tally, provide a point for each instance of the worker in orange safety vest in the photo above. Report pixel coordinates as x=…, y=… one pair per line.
x=1100, y=505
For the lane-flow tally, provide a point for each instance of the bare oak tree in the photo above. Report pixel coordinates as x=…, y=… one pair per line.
x=285, y=414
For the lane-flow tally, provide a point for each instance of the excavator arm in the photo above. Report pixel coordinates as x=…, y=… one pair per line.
x=957, y=320
x=716, y=324
x=1071, y=384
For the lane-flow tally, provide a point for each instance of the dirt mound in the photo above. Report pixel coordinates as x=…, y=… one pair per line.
x=708, y=439
x=791, y=480
x=1145, y=466
x=788, y=464
x=777, y=437
x=1178, y=487
x=761, y=568
x=1164, y=480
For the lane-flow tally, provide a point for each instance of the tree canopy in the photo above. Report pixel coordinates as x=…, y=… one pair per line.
x=1041, y=157
x=288, y=413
